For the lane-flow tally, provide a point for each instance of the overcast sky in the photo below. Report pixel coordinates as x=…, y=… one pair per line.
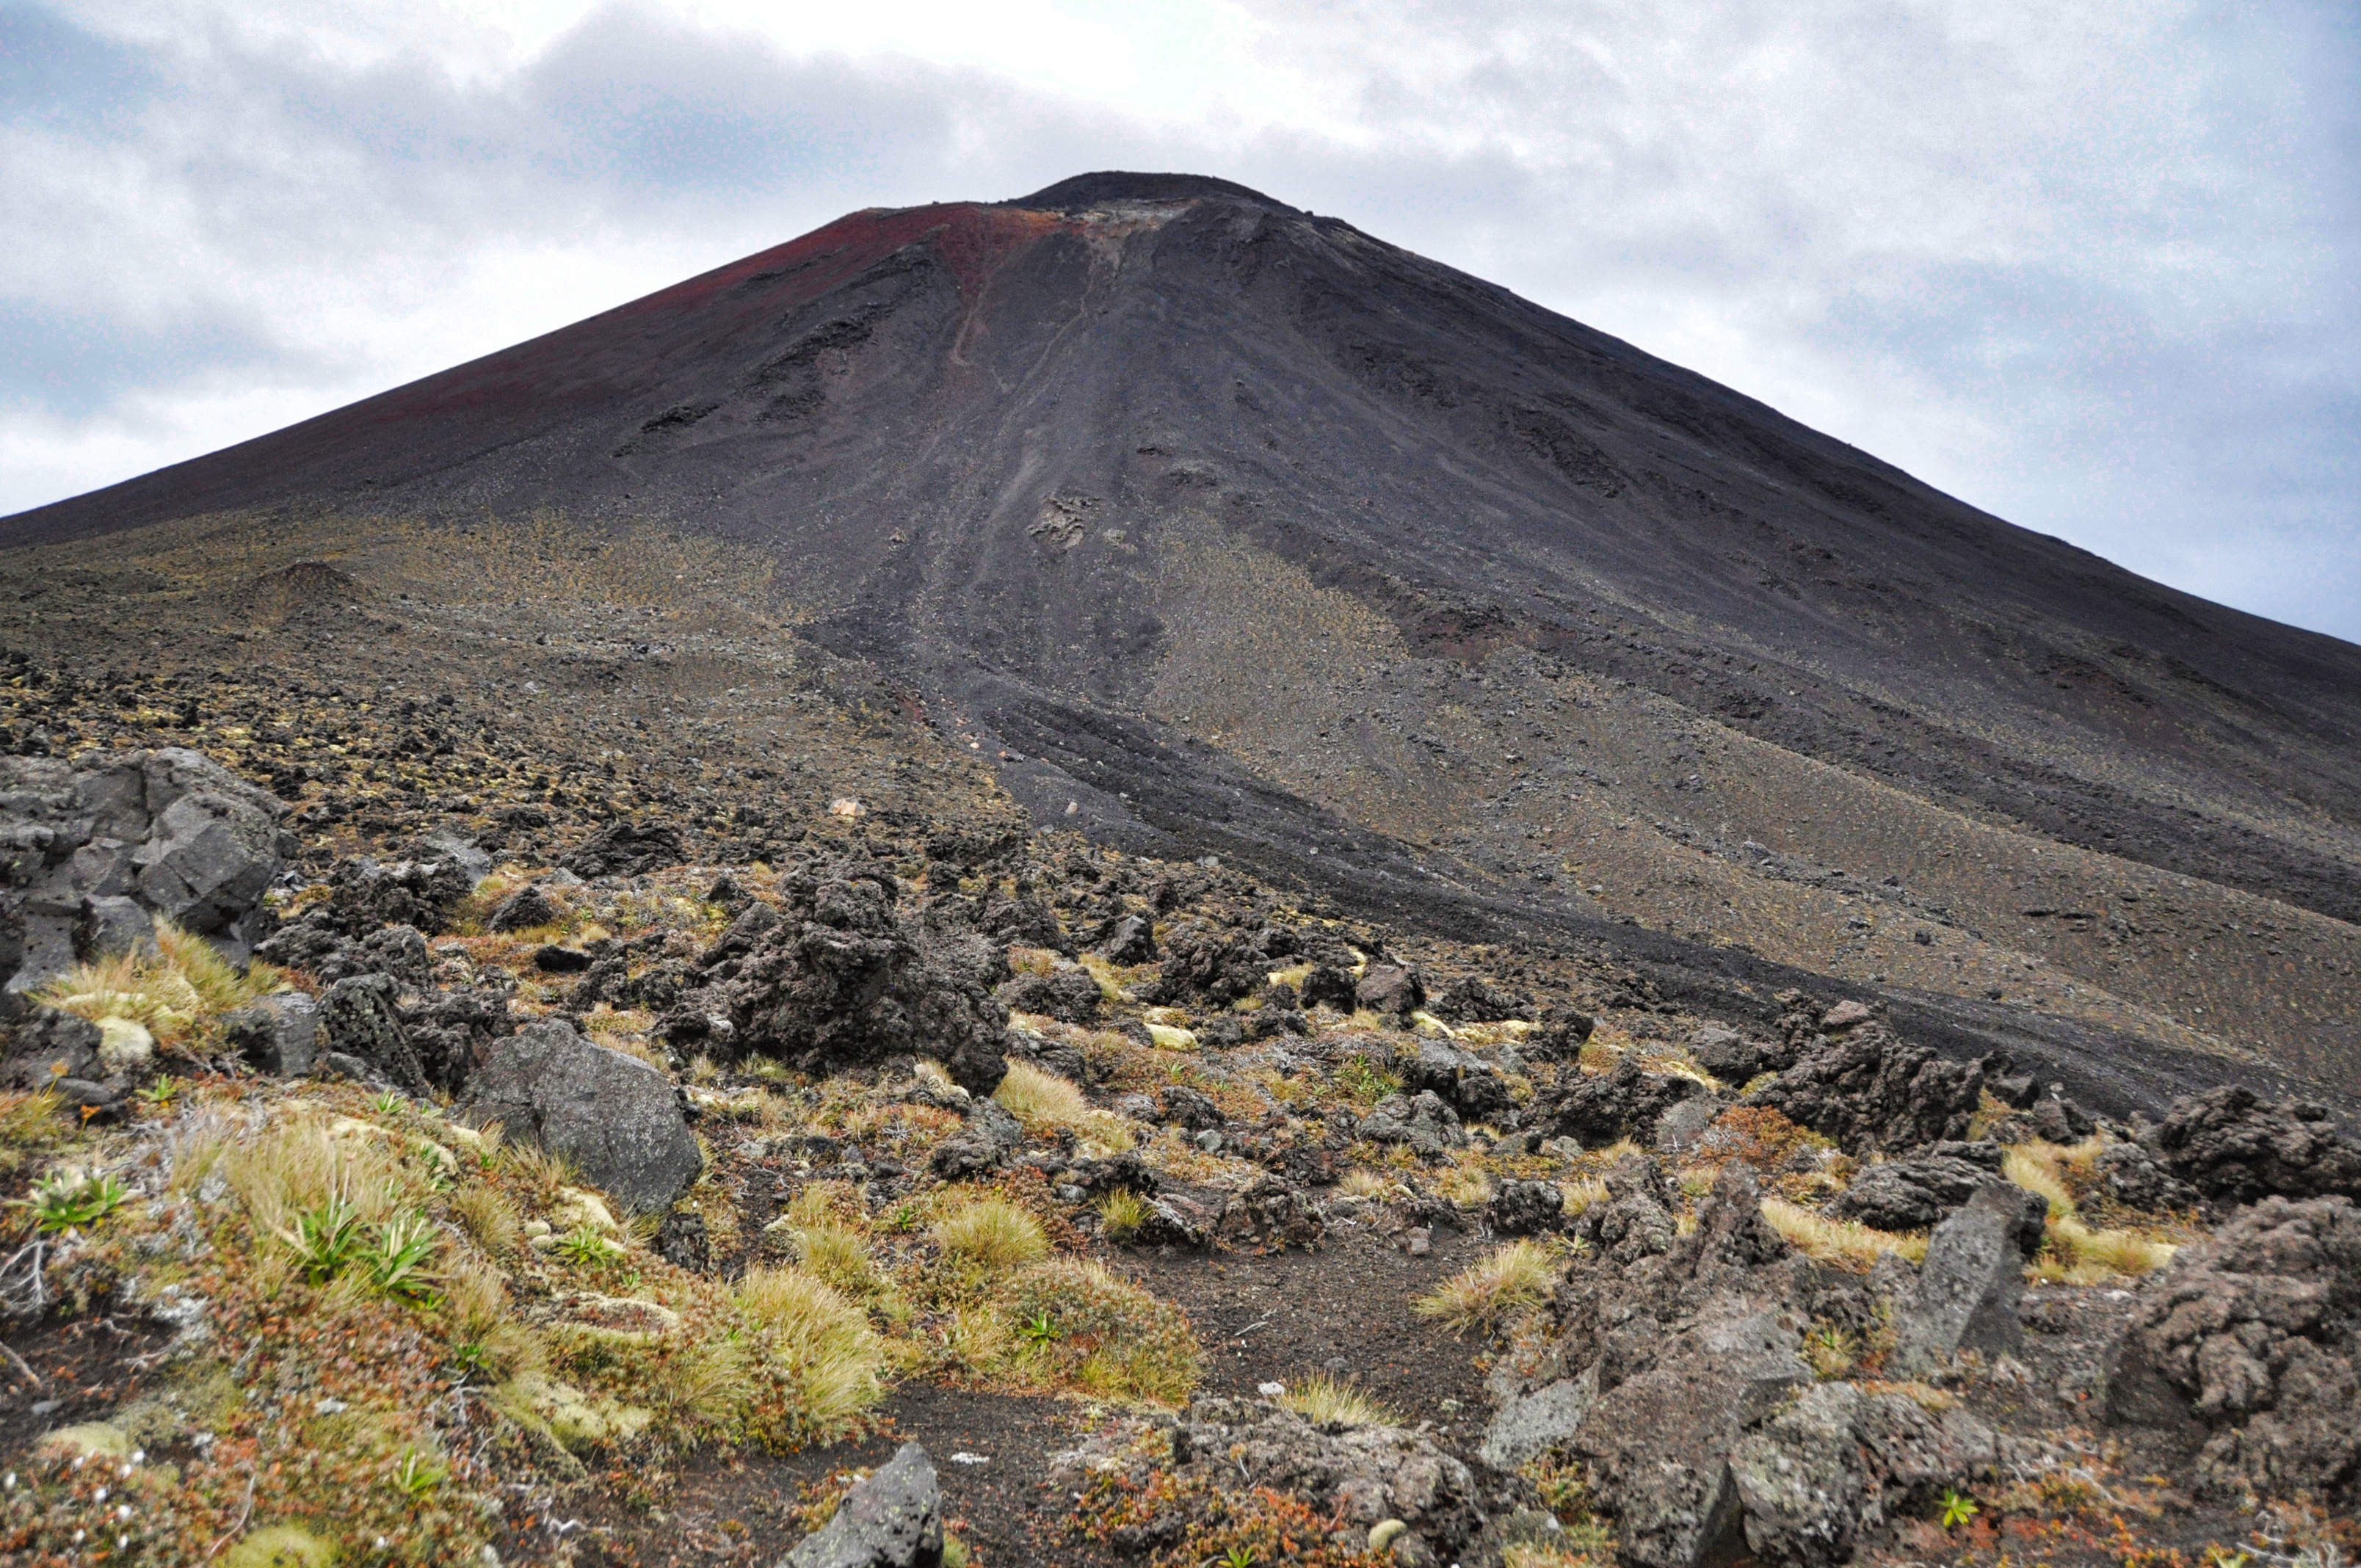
x=2092, y=265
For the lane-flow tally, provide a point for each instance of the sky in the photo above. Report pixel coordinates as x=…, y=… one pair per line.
x=2091, y=265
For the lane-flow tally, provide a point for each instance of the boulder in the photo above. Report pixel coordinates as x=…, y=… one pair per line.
x=1181, y=1106
x=276, y=1034
x=2134, y=1177
x=627, y=848
x=1476, y=1000
x=1424, y=1123
x=1068, y=994
x=983, y=1145
x=1525, y=1207
x=93, y=850
x=525, y=909
x=618, y=1120
x=893, y=1519
x=1916, y=1192
x=2253, y=1339
x=1732, y=1057
x=1270, y=1216
x=1840, y=1463
x=452, y=1032
x=842, y=977
x=1623, y=1103
x=1393, y=990
x=1869, y=1092
x=1366, y=1475
x=1561, y=1036
x=1971, y=1280
x=1325, y=986
x=2231, y=1146
x=48, y=1044
x=366, y=895
x=1472, y=1086
x=359, y=1019
x=1127, y=939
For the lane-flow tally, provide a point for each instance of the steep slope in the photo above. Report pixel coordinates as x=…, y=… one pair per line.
x=1225, y=526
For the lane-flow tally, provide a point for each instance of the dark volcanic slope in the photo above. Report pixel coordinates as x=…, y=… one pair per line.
x=1238, y=527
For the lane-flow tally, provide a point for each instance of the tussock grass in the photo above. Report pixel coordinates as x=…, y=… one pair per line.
x=823, y=1344
x=177, y=993
x=836, y=1253
x=991, y=1233
x=1466, y=1184
x=2077, y=1254
x=1509, y=1282
x=1325, y=1400
x=488, y=1216
x=1121, y=1213
x=2035, y=1168
x=1043, y=1101
x=1846, y=1243
x=1364, y=1183
x=30, y=1126
x=1582, y=1195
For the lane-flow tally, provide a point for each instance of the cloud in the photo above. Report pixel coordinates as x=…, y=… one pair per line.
x=2091, y=265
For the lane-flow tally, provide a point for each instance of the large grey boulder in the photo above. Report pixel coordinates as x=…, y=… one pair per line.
x=618, y=1120
x=893, y=1519
x=90, y=849
x=1971, y=1280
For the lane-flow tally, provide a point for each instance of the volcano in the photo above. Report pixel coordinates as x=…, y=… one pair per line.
x=1222, y=527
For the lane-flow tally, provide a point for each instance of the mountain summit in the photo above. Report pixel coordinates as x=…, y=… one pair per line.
x=1225, y=528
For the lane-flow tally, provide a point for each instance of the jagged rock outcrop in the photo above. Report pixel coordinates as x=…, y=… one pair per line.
x=840, y=977
x=1424, y=1122
x=1472, y=1085
x=1626, y=1102
x=2231, y=1145
x=92, y=850
x=2253, y=1338
x=627, y=848
x=1869, y=1092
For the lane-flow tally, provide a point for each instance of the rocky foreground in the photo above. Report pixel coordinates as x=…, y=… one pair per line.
x=419, y=1205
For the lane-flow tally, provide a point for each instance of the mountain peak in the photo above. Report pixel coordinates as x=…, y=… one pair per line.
x=1117, y=185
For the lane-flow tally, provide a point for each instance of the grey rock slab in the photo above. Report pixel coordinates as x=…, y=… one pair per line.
x=278, y=1034
x=1529, y=1426
x=615, y=1118
x=1969, y=1284
x=893, y=1519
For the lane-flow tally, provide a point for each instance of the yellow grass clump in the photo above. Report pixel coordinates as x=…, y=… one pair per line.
x=176, y=992
x=1325, y=1400
x=1509, y=1282
x=991, y=1233
x=823, y=1344
x=1847, y=1243
x=1042, y=1101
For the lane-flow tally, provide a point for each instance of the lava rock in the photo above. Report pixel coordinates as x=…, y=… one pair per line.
x=1424, y=1123
x=1869, y=1092
x=171, y=832
x=2230, y=1145
x=1838, y=1463
x=50, y=1044
x=1394, y=991
x=276, y=1034
x=1127, y=939
x=1561, y=1036
x=1525, y=1207
x=1971, y=1280
x=615, y=1118
x=893, y=1519
x=1915, y=1193
x=1181, y=1106
x=453, y=1032
x=553, y=959
x=1068, y=995
x=1732, y=1057
x=627, y=848
x=525, y=909
x=1623, y=1103
x=1325, y=986
x=1476, y=1000
x=359, y=1019
x=843, y=979
x=1270, y=1216
x=2134, y=1177
x=983, y=1145
x=2253, y=1340
x=1470, y=1083
x=683, y=1241
x=366, y=895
